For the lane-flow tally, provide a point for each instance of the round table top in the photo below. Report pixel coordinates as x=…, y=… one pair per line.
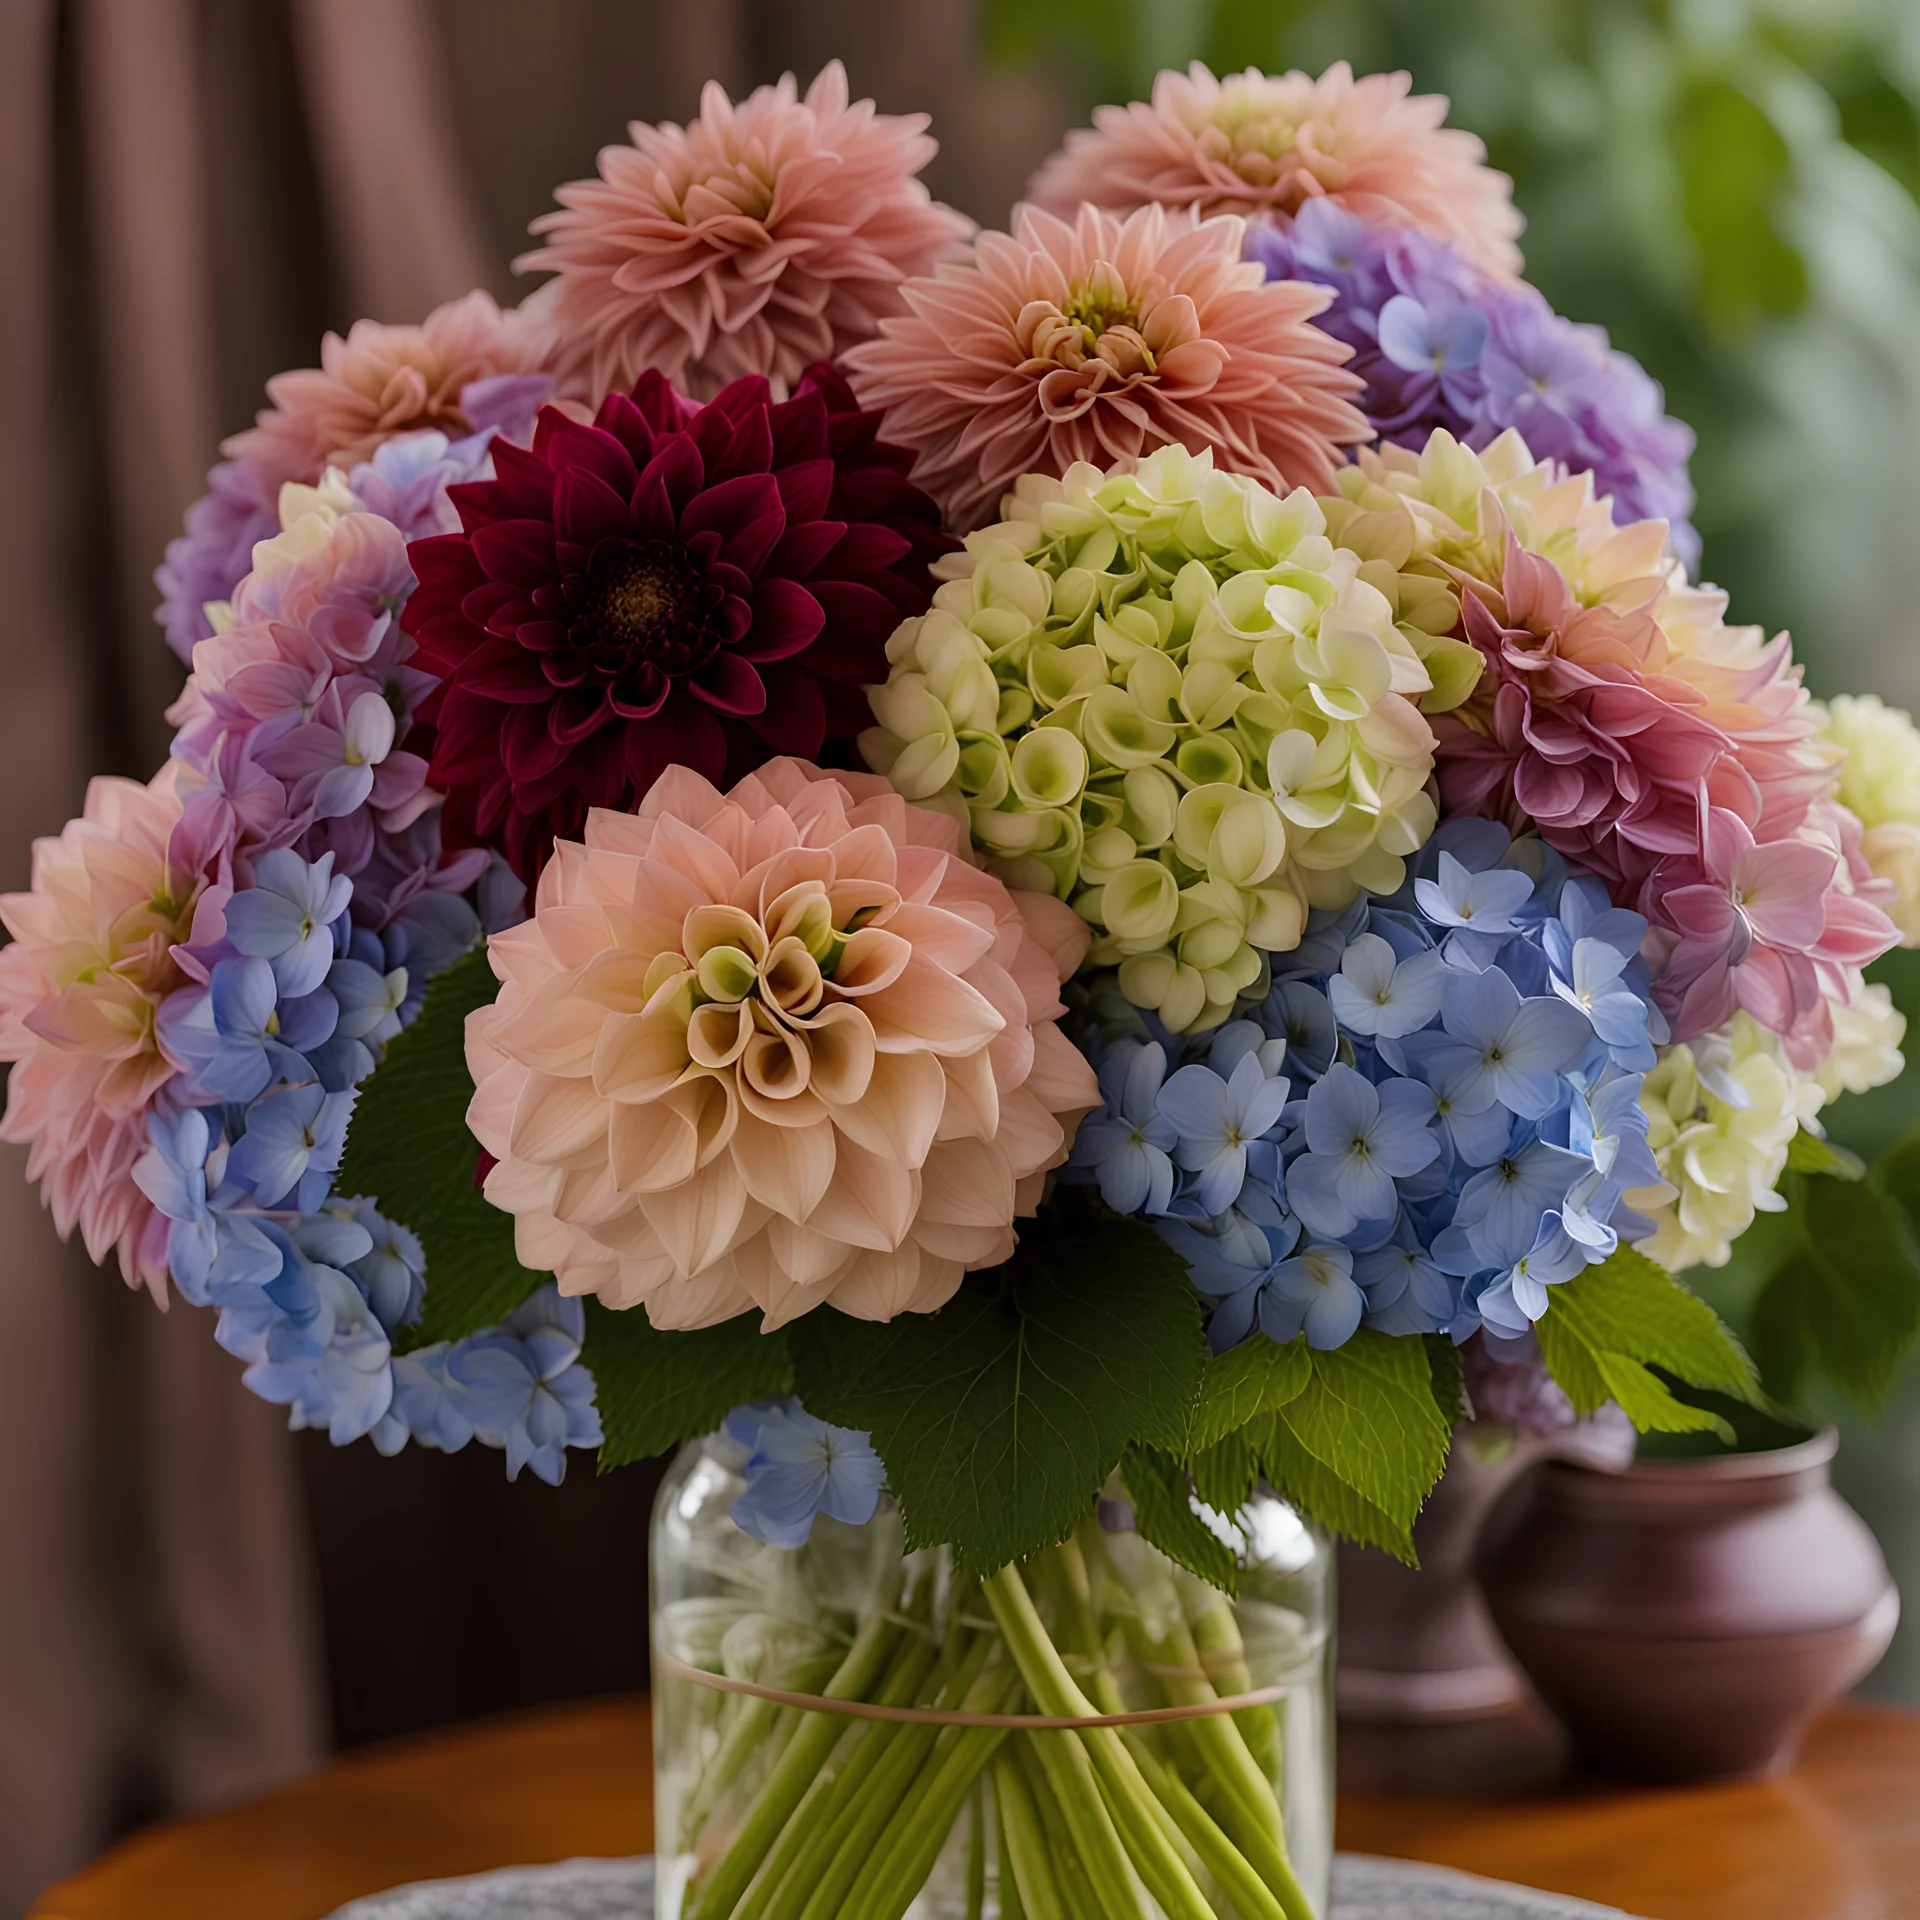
x=1836, y=1839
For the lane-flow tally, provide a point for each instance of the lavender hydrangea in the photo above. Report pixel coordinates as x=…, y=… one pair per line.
x=1439, y=344
x=291, y=1008
x=1429, y=1120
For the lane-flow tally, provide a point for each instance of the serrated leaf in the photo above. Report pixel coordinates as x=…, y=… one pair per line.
x=1000, y=1416
x=1808, y=1153
x=1158, y=1486
x=1223, y=1475
x=1897, y=1174
x=1258, y=1376
x=409, y=1151
x=1590, y=1375
x=655, y=1390
x=1449, y=1379
x=1850, y=1293
x=1646, y=1400
x=1632, y=1306
x=1319, y=1492
x=1368, y=1414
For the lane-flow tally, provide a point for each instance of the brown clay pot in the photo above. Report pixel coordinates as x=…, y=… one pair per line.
x=1687, y=1618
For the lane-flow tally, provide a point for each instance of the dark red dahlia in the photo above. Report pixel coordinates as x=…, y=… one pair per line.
x=707, y=586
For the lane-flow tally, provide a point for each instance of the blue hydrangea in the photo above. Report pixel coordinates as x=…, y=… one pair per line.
x=313, y=1289
x=797, y=1468
x=1429, y=1119
x=1439, y=344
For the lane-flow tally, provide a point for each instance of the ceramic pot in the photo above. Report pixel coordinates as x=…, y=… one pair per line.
x=1687, y=1617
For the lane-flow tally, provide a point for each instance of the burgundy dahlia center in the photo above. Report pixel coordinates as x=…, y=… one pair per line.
x=641, y=603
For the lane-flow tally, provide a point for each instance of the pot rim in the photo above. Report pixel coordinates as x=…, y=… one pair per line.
x=1767, y=1463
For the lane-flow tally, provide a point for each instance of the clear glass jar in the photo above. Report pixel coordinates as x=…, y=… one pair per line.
x=770, y=1810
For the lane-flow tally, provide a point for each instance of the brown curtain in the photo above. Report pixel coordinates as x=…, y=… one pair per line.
x=191, y=191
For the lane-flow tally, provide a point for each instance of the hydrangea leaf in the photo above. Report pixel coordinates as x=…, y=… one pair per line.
x=1163, y=1510
x=1223, y=1475
x=1848, y=1296
x=1808, y=1153
x=655, y=1390
x=1258, y=1376
x=1310, y=1484
x=1369, y=1416
x=409, y=1151
x=1000, y=1416
x=1448, y=1378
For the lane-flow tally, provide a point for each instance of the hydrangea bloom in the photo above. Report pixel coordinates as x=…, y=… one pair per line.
x=1431, y=1119
x=774, y=1049
x=765, y=236
x=798, y=1468
x=1880, y=784
x=1277, y=146
x=1440, y=343
x=1099, y=339
x=1646, y=740
x=1169, y=698
x=668, y=586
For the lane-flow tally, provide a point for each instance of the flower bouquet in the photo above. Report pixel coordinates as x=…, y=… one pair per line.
x=1030, y=888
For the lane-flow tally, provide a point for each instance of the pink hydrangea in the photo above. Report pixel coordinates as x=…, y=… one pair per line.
x=93, y=954
x=776, y=1049
x=1264, y=145
x=767, y=235
x=1099, y=341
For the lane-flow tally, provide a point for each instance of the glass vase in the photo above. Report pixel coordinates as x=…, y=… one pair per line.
x=849, y=1731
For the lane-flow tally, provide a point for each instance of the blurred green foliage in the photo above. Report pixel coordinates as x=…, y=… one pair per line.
x=1728, y=186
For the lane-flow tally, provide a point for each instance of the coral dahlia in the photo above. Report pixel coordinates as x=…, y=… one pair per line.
x=777, y=1048
x=1101, y=341
x=765, y=236
x=1265, y=146
x=695, y=585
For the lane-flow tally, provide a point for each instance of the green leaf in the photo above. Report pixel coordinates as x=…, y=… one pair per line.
x=655, y=1390
x=1849, y=1297
x=409, y=1151
x=1000, y=1416
x=1897, y=1174
x=1319, y=1492
x=1368, y=1415
x=1808, y=1153
x=1161, y=1493
x=1223, y=1475
x=1632, y=1306
x=1449, y=1379
x=1258, y=1376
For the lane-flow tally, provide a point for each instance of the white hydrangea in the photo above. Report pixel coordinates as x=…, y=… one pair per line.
x=1880, y=781
x=1867, y=1032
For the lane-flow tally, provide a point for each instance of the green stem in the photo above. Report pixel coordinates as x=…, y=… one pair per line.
x=1026, y=1889
x=1240, y=1877
x=1223, y=1657
x=1137, y=1814
x=755, y=1731
x=977, y=1856
x=1078, y=1897
x=806, y=1754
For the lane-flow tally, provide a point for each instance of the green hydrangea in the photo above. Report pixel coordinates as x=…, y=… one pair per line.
x=1168, y=697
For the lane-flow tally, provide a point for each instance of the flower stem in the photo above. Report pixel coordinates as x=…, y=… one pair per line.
x=1012, y=1904
x=1026, y=1868
x=1078, y=1896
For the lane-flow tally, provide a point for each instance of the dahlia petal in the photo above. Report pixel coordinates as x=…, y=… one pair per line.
x=787, y=1169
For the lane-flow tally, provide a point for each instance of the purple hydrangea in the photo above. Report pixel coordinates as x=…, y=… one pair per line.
x=1439, y=344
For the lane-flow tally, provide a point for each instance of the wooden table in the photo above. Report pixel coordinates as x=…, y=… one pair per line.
x=1838, y=1839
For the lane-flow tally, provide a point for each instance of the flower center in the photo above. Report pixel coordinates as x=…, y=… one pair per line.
x=640, y=604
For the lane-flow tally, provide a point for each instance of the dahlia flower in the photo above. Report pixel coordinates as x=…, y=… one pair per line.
x=1880, y=785
x=1101, y=340
x=1441, y=344
x=1264, y=145
x=1168, y=698
x=765, y=236
x=777, y=1048
x=672, y=585
x=91, y=959
x=1721, y=1114
x=1648, y=741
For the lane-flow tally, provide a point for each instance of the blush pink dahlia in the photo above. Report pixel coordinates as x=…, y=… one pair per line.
x=775, y=1049
x=670, y=585
x=1264, y=146
x=1100, y=341
x=763, y=237
x=92, y=957
x=383, y=380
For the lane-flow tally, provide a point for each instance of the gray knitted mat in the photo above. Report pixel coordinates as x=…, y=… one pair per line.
x=1364, y=1888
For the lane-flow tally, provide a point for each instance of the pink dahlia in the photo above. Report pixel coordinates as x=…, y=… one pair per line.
x=1100, y=341
x=91, y=959
x=701, y=586
x=779, y=1048
x=1262, y=146
x=762, y=238
x=381, y=381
